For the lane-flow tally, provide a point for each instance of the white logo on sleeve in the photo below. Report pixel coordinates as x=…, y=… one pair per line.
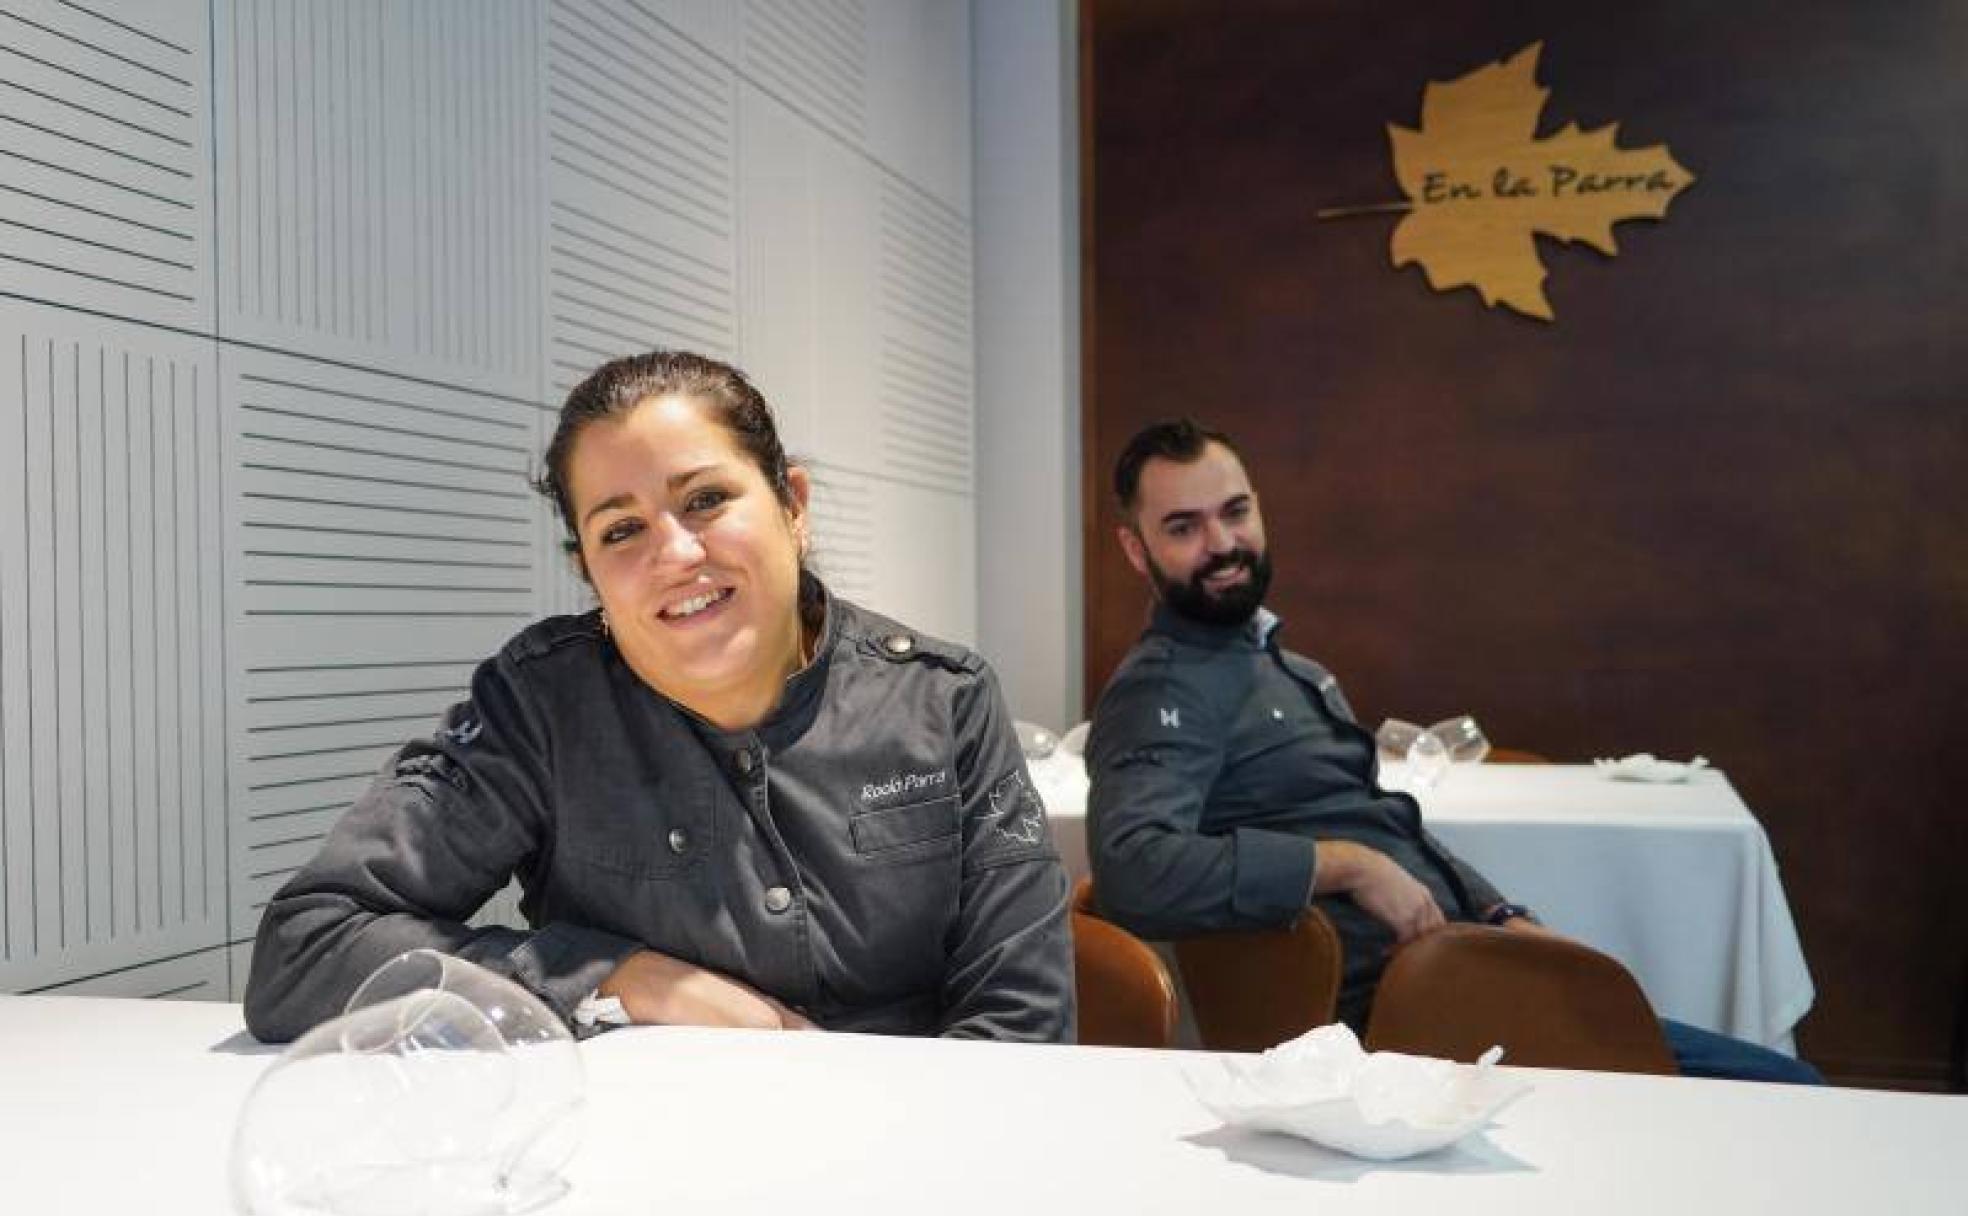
x=1020, y=814
x=463, y=731
x=1172, y=717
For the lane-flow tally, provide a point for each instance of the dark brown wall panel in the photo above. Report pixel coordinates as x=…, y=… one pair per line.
x=1717, y=507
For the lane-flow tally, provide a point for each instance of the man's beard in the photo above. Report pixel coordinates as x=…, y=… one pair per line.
x=1231, y=606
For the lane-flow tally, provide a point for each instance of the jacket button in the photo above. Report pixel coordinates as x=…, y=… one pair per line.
x=778, y=899
x=899, y=643
x=746, y=760
x=679, y=840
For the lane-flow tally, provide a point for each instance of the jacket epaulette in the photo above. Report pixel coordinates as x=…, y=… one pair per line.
x=1150, y=649
x=551, y=634
x=877, y=635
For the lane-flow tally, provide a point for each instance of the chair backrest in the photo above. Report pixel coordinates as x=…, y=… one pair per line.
x=1253, y=989
x=1550, y=1002
x=1513, y=755
x=1256, y=988
x=1126, y=996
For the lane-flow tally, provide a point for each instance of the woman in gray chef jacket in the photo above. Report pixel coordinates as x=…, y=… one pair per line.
x=730, y=797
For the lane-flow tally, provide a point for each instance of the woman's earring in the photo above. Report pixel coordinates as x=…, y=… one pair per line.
x=605, y=630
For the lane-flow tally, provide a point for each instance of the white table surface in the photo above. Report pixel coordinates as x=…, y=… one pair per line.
x=123, y=1106
x=1677, y=881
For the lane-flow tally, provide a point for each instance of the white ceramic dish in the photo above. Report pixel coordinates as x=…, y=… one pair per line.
x=1384, y=1106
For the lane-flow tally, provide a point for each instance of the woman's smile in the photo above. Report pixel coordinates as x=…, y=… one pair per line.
x=693, y=555
x=698, y=609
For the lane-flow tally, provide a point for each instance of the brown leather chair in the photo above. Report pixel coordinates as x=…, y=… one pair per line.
x=1255, y=989
x=1126, y=997
x=1512, y=755
x=1550, y=1002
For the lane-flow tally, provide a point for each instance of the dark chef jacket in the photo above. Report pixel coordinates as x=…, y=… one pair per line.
x=872, y=854
x=1218, y=761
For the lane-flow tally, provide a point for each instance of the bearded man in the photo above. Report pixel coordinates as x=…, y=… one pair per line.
x=1231, y=785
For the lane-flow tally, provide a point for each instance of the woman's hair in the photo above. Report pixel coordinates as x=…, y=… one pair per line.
x=615, y=388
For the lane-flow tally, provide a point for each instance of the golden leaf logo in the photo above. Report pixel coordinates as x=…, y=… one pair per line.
x=1480, y=183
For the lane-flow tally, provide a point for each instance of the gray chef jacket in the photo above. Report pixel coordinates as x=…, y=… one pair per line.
x=872, y=854
x=1218, y=761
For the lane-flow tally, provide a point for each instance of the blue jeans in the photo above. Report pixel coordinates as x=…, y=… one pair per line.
x=1704, y=1053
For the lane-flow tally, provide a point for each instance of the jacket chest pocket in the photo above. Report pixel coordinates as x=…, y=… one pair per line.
x=658, y=832
x=1267, y=725
x=915, y=831
x=1278, y=751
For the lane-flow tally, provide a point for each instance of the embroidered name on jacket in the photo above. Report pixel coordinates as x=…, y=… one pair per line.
x=903, y=784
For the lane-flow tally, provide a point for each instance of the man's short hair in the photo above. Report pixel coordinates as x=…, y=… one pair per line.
x=1180, y=439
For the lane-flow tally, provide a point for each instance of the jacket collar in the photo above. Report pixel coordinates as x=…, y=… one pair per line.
x=1254, y=634
x=803, y=688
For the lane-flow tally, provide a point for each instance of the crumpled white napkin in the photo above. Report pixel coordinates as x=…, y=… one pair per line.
x=1324, y=1087
x=1643, y=766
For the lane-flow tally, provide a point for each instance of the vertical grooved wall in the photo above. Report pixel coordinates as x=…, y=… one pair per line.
x=289, y=292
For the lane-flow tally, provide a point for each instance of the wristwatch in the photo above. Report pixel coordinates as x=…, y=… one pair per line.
x=1508, y=911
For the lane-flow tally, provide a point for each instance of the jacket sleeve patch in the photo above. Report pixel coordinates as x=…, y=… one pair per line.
x=1018, y=815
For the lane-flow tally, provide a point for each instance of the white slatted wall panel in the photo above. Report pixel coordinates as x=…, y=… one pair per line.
x=809, y=259
x=925, y=407
x=845, y=532
x=264, y=534
x=200, y=976
x=112, y=836
x=105, y=158
x=641, y=220
x=812, y=55
x=374, y=201
x=857, y=324
x=919, y=96
x=382, y=541
x=710, y=25
x=926, y=426
x=561, y=590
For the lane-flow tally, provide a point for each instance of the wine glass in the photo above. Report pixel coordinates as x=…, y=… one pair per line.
x=1464, y=740
x=1394, y=738
x=543, y=1125
x=443, y=1090
x=1428, y=759
x=1034, y=740
x=389, y=1109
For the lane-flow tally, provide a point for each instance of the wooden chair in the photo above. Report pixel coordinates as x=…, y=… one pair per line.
x=1549, y=1002
x=1512, y=755
x=1126, y=996
x=1255, y=989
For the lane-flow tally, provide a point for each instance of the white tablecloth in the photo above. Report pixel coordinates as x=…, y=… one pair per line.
x=128, y=1106
x=1675, y=881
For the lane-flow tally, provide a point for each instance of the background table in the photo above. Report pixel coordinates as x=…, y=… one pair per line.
x=116, y=1106
x=1677, y=881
